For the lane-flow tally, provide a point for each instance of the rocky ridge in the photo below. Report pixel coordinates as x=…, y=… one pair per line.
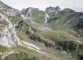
x=8, y=35
x=52, y=9
x=27, y=11
x=8, y=10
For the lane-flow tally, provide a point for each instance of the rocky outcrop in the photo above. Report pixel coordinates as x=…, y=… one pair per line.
x=52, y=9
x=20, y=25
x=27, y=11
x=41, y=39
x=8, y=10
x=44, y=28
x=8, y=35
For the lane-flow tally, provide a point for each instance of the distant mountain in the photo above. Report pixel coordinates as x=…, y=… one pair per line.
x=27, y=11
x=52, y=9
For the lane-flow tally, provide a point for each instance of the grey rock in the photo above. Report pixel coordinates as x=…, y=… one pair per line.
x=27, y=11
x=9, y=11
x=52, y=9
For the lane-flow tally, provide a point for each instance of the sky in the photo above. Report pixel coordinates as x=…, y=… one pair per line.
x=77, y=5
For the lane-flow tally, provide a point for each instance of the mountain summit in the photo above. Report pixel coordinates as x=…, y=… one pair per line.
x=52, y=9
x=27, y=11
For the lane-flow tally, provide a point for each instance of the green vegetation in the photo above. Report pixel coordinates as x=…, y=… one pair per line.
x=60, y=35
x=65, y=36
x=13, y=20
x=29, y=54
x=21, y=56
x=39, y=16
x=52, y=15
x=3, y=48
x=67, y=18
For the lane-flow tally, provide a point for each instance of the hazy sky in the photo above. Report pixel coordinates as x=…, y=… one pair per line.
x=42, y=4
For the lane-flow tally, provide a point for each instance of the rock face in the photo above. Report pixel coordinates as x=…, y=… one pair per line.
x=27, y=11
x=8, y=10
x=52, y=9
x=8, y=35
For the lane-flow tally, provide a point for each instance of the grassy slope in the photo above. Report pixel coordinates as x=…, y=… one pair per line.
x=40, y=16
x=57, y=35
x=63, y=17
x=28, y=54
x=60, y=33
x=64, y=31
x=3, y=49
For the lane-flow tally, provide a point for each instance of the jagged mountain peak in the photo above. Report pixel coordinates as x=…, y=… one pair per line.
x=31, y=9
x=28, y=10
x=52, y=9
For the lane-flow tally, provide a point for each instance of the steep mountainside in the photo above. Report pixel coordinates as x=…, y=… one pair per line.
x=27, y=11
x=13, y=46
x=60, y=30
x=33, y=34
x=8, y=35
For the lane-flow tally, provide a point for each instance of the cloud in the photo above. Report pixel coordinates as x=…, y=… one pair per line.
x=26, y=3
x=42, y=4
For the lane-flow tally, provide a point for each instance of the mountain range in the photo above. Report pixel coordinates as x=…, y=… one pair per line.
x=33, y=34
